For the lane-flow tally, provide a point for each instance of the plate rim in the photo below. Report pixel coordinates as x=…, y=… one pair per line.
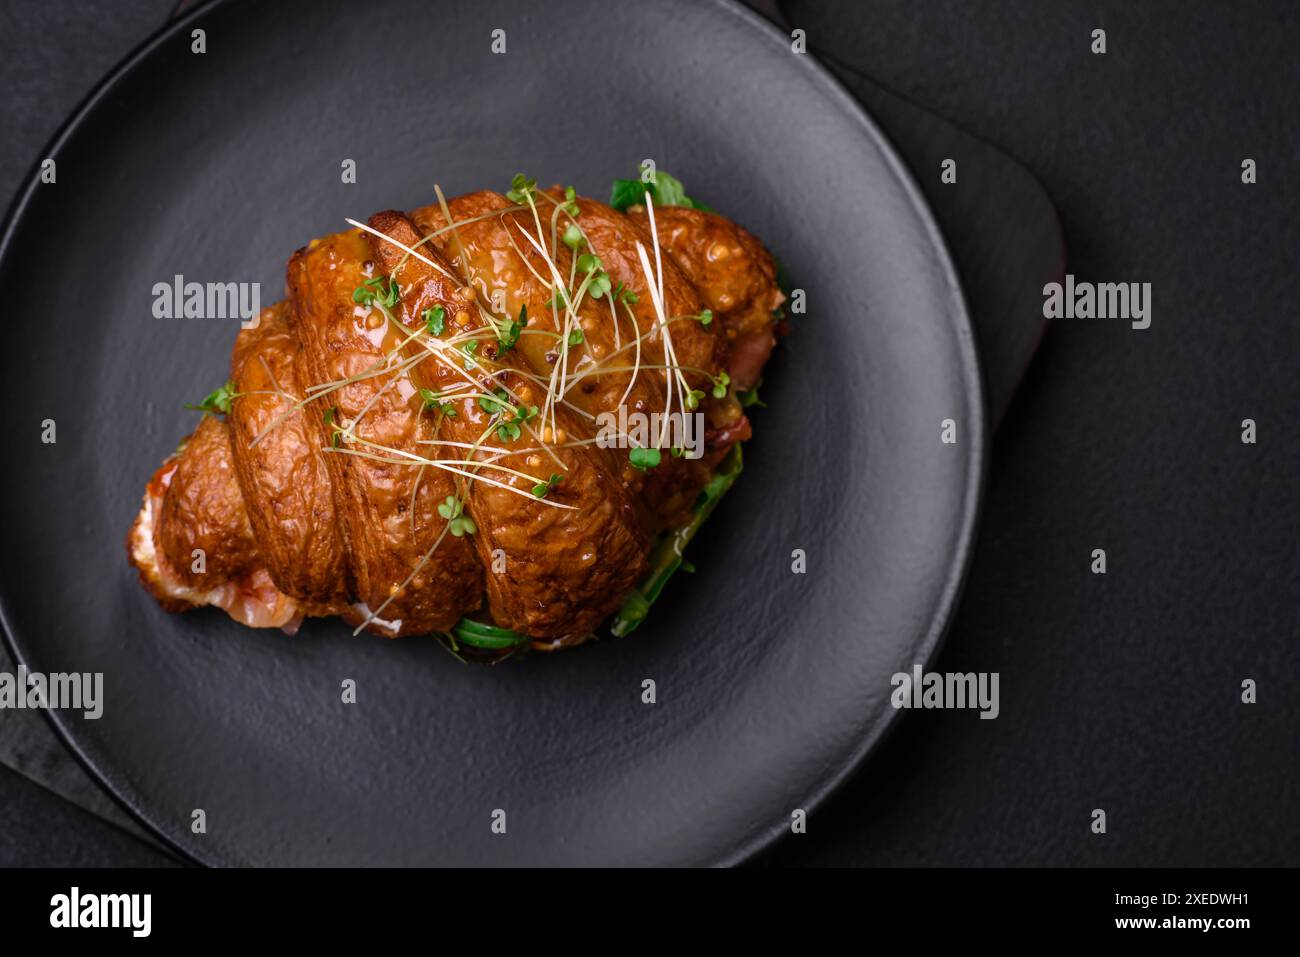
x=977, y=461
x=975, y=392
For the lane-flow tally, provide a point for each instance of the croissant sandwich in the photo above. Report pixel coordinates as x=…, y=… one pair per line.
x=497, y=419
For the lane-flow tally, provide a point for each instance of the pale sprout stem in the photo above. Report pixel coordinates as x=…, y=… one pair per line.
x=409, y=578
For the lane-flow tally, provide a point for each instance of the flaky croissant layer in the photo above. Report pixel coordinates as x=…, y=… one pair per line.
x=412, y=434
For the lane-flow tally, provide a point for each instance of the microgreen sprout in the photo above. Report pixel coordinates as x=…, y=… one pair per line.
x=498, y=404
x=378, y=289
x=470, y=348
x=435, y=320
x=508, y=430
x=573, y=237
x=510, y=335
x=599, y=285
x=492, y=405
x=542, y=488
x=331, y=423
x=458, y=523
x=217, y=400
x=705, y=318
x=643, y=459
x=433, y=402
x=720, y=385
x=521, y=188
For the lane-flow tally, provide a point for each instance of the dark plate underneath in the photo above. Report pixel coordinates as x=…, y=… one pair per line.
x=771, y=686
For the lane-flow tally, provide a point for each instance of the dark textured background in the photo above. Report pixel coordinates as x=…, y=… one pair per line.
x=1118, y=691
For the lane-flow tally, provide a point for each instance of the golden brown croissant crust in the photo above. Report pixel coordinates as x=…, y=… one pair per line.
x=411, y=436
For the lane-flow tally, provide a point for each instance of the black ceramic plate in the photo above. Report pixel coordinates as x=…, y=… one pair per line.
x=771, y=686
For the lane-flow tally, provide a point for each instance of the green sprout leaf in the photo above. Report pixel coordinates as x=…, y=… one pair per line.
x=433, y=402
x=720, y=385
x=458, y=523
x=217, y=401
x=435, y=320
x=379, y=289
x=331, y=423
x=498, y=404
x=510, y=335
x=509, y=431
x=643, y=459
x=542, y=488
x=521, y=188
x=599, y=285
x=499, y=401
x=573, y=237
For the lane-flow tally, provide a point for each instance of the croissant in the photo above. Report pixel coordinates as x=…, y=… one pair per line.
x=430, y=434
